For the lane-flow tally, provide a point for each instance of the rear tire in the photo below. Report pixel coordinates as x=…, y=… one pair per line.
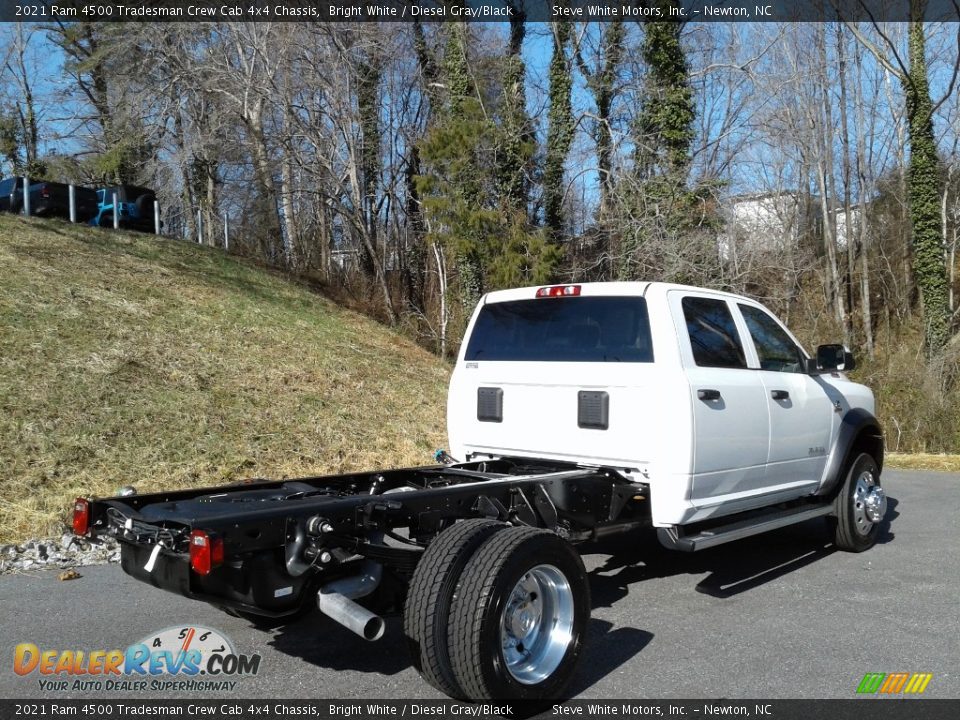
x=426, y=612
x=519, y=617
x=144, y=205
x=852, y=526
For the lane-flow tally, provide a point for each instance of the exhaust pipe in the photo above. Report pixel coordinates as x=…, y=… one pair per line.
x=336, y=600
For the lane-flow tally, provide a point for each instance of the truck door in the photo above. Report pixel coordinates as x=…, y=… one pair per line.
x=730, y=415
x=801, y=411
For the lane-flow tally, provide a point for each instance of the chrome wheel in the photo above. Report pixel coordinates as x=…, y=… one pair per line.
x=869, y=502
x=536, y=626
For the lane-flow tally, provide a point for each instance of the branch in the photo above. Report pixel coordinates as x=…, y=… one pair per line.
x=902, y=74
x=956, y=65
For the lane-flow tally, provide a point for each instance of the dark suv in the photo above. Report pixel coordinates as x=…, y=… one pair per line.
x=48, y=199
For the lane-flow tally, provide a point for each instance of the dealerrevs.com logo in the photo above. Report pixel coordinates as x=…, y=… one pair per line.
x=894, y=683
x=188, y=658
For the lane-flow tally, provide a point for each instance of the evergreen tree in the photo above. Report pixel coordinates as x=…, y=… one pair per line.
x=461, y=193
x=516, y=153
x=665, y=124
x=665, y=212
x=559, y=130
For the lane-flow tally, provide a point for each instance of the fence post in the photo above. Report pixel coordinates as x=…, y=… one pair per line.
x=199, y=228
x=116, y=213
x=26, y=196
x=156, y=216
x=72, y=194
x=226, y=232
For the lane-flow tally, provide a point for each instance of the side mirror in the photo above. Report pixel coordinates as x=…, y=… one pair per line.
x=834, y=357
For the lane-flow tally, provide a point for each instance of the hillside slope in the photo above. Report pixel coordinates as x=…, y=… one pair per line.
x=130, y=359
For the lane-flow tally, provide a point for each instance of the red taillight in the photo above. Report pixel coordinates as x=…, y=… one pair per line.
x=206, y=552
x=44, y=192
x=81, y=516
x=559, y=291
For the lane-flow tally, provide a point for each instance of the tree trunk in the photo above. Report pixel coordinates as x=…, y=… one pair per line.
x=262, y=173
x=291, y=232
x=559, y=131
x=866, y=316
x=928, y=261
x=824, y=135
x=442, y=292
x=845, y=169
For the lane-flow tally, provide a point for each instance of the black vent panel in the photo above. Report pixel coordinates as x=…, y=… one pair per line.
x=593, y=409
x=490, y=404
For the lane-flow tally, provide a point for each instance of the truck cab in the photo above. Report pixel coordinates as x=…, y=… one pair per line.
x=703, y=395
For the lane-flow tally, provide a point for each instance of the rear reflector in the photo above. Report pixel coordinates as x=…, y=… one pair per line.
x=559, y=291
x=206, y=552
x=81, y=516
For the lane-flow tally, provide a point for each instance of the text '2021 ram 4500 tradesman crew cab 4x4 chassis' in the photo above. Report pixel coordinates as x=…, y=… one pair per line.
x=579, y=412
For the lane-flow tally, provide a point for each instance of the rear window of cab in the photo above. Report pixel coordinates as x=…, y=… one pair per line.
x=563, y=329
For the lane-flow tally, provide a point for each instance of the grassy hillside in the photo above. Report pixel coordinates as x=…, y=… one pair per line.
x=130, y=359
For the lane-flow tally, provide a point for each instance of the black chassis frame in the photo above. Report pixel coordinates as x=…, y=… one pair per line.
x=278, y=551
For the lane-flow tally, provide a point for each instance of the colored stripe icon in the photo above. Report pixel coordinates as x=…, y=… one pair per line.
x=894, y=683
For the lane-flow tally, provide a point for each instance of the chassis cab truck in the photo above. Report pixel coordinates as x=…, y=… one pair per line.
x=575, y=412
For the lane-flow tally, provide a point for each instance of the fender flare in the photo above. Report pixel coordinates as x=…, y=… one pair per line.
x=856, y=423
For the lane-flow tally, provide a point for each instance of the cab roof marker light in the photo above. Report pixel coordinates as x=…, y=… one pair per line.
x=559, y=291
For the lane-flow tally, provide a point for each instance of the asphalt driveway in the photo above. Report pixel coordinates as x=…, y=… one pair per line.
x=777, y=616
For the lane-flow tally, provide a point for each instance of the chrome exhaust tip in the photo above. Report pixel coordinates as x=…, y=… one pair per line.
x=336, y=600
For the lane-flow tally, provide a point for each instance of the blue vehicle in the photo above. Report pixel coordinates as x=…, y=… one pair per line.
x=134, y=207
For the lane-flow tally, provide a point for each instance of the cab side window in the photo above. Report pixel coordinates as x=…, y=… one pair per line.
x=713, y=335
x=776, y=351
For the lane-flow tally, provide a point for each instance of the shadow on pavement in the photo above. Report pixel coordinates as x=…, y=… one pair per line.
x=607, y=648
x=320, y=641
x=731, y=569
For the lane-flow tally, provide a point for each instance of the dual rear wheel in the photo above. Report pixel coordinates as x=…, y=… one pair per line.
x=496, y=611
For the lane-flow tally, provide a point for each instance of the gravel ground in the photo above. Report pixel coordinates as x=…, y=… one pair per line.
x=63, y=552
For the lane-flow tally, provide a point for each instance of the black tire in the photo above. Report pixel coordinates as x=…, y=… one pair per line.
x=488, y=587
x=851, y=533
x=426, y=612
x=144, y=205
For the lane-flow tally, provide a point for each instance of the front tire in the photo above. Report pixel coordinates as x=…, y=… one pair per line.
x=519, y=617
x=859, y=507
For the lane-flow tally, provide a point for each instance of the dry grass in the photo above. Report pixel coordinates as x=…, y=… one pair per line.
x=128, y=359
x=922, y=461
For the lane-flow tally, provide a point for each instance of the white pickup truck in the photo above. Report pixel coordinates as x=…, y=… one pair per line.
x=577, y=412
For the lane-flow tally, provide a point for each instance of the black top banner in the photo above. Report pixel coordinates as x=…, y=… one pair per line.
x=478, y=10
